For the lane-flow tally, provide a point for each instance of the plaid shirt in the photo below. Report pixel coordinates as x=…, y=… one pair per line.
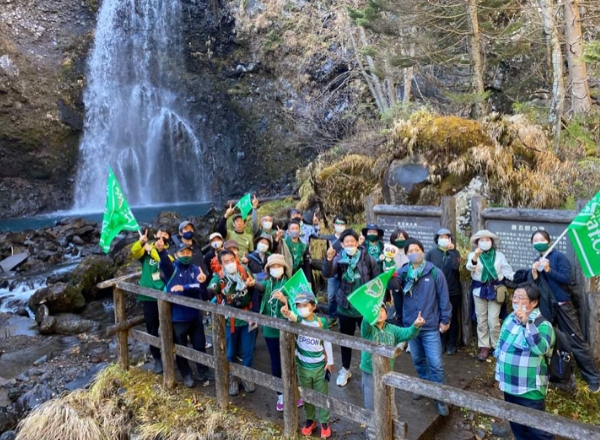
x=521, y=351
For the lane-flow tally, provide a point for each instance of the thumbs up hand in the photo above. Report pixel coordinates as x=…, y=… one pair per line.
x=330, y=253
x=201, y=277
x=419, y=321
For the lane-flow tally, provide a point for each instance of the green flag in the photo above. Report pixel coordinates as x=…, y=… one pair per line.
x=584, y=233
x=298, y=283
x=244, y=205
x=367, y=299
x=117, y=214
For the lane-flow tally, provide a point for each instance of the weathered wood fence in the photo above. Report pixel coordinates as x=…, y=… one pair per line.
x=381, y=419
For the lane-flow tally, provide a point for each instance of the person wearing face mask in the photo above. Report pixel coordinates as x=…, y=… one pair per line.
x=552, y=274
x=426, y=294
x=373, y=243
x=314, y=359
x=237, y=230
x=257, y=260
x=265, y=226
x=278, y=272
x=215, y=245
x=233, y=286
x=295, y=251
x=398, y=238
x=526, y=338
x=489, y=268
x=307, y=231
x=354, y=267
x=187, y=236
x=447, y=258
x=186, y=279
x=333, y=283
x=147, y=255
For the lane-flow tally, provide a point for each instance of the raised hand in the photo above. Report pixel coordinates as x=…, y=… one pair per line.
x=254, y=202
x=144, y=237
x=361, y=240
x=250, y=282
x=419, y=321
x=244, y=259
x=450, y=246
x=330, y=253
x=278, y=234
x=229, y=211
x=201, y=277
x=478, y=252
x=285, y=311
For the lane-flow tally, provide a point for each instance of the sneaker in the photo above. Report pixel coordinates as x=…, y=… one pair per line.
x=332, y=322
x=208, y=345
x=442, y=408
x=248, y=386
x=342, y=379
x=300, y=403
x=484, y=352
x=451, y=350
x=206, y=376
x=593, y=387
x=234, y=386
x=308, y=427
x=279, y=405
x=325, y=430
x=158, y=368
x=188, y=381
x=415, y=396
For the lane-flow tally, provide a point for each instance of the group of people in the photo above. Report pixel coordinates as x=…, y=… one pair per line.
x=247, y=270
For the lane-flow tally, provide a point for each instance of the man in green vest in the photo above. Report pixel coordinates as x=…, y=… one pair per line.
x=147, y=254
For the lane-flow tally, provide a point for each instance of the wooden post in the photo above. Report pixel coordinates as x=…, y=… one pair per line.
x=466, y=322
x=290, y=384
x=221, y=364
x=120, y=316
x=478, y=204
x=382, y=399
x=166, y=339
x=448, y=219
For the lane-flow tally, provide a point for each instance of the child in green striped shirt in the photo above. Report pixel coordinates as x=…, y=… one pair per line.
x=314, y=360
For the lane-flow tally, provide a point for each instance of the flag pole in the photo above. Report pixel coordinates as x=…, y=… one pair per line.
x=560, y=237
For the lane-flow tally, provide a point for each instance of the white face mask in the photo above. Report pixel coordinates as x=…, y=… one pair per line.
x=276, y=272
x=304, y=312
x=216, y=244
x=262, y=248
x=485, y=245
x=267, y=225
x=443, y=243
x=339, y=228
x=230, y=268
x=350, y=250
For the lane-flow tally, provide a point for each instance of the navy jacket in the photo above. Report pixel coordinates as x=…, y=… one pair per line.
x=449, y=262
x=559, y=275
x=429, y=296
x=186, y=276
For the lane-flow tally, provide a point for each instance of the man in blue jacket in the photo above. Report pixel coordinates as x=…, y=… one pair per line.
x=425, y=291
x=187, y=280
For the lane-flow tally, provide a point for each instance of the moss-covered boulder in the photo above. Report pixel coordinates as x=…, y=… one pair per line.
x=60, y=297
x=91, y=271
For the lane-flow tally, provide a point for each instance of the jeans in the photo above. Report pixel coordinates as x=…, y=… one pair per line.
x=522, y=432
x=194, y=330
x=241, y=337
x=568, y=322
x=426, y=352
x=275, y=355
x=314, y=379
x=152, y=324
x=333, y=285
x=348, y=326
x=398, y=297
x=450, y=338
x=488, y=322
x=368, y=400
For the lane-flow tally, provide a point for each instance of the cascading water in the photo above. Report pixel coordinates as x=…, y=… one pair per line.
x=135, y=120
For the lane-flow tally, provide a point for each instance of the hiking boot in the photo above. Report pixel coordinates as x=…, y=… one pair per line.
x=415, y=396
x=332, y=322
x=484, y=352
x=234, y=386
x=343, y=376
x=158, y=368
x=442, y=408
x=205, y=377
x=188, y=381
x=279, y=405
x=248, y=386
x=308, y=427
x=325, y=430
x=451, y=350
x=300, y=403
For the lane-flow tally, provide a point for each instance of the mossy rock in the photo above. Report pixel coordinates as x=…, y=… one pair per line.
x=59, y=297
x=91, y=271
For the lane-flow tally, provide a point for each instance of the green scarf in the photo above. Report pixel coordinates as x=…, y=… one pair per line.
x=375, y=249
x=352, y=262
x=297, y=250
x=412, y=276
x=489, y=270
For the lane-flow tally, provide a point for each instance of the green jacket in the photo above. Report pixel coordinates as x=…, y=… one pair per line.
x=270, y=306
x=150, y=271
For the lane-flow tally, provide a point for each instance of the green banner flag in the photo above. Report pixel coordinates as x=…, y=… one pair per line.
x=117, y=214
x=244, y=205
x=584, y=233
x=296, y=284
x=367, y=299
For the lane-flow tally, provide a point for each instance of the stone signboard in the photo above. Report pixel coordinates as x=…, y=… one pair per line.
x=421, y=228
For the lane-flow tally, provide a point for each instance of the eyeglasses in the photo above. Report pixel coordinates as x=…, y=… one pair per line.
x=520, y=298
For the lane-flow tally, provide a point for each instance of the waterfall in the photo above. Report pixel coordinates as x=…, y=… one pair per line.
x=136, y=121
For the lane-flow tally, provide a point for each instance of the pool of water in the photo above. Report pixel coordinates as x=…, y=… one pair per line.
x=143, y=214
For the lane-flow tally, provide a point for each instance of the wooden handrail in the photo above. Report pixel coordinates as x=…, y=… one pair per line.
x=114, y=281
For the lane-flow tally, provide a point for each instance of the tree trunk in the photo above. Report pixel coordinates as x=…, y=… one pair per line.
x=580, y=92
x=558, y=83
x=408, y=76
x=476, y=59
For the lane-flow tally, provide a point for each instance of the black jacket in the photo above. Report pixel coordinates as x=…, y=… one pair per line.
x=366, y=267
x=449, y=263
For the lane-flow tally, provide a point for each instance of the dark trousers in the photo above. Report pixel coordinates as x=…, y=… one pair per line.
x=348, y=326
x=450, y=338
x=275, y=355
x=194, y=331
x=152, y=324
x=398, y=296
x=568, y=322
x=522, y=432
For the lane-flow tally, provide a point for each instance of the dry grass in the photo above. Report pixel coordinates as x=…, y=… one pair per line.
x=135, y=403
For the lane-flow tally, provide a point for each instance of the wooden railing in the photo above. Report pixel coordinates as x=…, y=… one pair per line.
x=381, y=419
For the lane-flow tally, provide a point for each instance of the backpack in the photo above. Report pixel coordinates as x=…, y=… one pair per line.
x=560, y=362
